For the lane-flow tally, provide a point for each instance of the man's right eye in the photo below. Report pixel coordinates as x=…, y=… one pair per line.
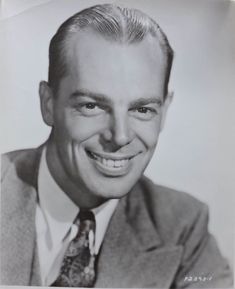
x=90, y=105
x=89, y=109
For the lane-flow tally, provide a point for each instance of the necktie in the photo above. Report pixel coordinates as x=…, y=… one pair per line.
x=77, y=268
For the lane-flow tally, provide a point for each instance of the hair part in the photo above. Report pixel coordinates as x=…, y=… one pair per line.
x=114, y=23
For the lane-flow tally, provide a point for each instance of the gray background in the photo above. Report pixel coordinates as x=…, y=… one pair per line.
x=196, y=148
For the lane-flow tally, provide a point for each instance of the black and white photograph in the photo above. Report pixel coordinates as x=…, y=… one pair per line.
x=117, y=143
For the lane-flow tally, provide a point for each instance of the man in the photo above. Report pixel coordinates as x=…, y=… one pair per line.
x=77, y=211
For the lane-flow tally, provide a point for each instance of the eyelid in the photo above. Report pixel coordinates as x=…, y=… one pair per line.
x=150, y=108
x=101, y=106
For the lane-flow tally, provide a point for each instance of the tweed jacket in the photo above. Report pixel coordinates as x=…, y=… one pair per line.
x=157, y=237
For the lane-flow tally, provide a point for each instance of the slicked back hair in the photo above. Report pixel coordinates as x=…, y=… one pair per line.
x=114, y=23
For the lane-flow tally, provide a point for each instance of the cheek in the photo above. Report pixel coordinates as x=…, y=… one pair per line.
x=80, y=128
x=148, y=133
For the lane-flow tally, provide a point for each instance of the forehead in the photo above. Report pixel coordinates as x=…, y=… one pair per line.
x=94, y=62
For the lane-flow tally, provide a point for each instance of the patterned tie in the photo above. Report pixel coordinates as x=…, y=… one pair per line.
x=77, y=269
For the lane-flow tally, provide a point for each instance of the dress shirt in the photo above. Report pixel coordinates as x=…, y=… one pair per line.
x=55, y=214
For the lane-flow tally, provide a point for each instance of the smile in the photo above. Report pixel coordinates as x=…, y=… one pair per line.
x=111, y=165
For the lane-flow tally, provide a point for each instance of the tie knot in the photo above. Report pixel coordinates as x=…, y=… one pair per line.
x=85, y=221
x=86, y=215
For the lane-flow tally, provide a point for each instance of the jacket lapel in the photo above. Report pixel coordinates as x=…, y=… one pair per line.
x=18, y=222
x=132, y=254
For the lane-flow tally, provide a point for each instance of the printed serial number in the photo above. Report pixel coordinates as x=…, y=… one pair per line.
x=197, y=278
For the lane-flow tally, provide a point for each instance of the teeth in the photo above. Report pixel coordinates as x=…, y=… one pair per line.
x=111, y=163
x=118, y=164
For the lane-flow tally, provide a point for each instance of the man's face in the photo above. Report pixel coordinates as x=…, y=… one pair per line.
x=107, y=114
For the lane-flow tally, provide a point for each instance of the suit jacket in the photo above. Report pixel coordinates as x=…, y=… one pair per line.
x=157, y=237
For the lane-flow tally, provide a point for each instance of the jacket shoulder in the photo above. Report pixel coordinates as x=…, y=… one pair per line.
x=17, y=159
x=174, y=212
x=172, y=198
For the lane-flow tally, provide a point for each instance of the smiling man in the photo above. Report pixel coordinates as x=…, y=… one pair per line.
x=78, y=212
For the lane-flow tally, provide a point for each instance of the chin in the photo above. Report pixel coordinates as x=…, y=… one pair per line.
x=114, y=194
x=115, y=188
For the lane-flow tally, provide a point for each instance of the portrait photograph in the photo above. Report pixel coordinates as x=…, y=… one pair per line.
x=117, y=143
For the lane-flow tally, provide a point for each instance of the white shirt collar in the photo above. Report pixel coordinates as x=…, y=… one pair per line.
x=60, y=211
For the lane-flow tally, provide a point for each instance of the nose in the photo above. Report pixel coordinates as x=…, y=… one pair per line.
x=119, y=132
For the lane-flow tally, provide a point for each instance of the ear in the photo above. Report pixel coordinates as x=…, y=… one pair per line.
x=46, y=101
x=165, y=107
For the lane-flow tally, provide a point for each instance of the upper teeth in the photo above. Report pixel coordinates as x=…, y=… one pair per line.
x=114, y=163
x=110, y=162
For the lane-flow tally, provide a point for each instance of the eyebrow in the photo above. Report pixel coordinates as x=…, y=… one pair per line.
x=95, y=96
x=145, y=101
x=104, y=98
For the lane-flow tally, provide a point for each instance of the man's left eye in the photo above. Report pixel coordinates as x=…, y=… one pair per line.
x=144, y=112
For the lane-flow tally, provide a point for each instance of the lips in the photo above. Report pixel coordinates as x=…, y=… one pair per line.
x=111, y=165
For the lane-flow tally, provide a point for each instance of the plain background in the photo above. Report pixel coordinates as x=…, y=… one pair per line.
x=196, y=149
